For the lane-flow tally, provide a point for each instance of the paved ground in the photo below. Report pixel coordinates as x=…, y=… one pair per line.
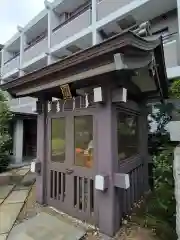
x=45, y=227
x=12, y=198
x=22, y=218
x=42, y=224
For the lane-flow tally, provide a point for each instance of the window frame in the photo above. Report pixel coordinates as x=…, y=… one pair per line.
x=74, y=134
x=51, y=140
x=134, y=114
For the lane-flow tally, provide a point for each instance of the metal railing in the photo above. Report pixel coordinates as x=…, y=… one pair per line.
x=36, y=40
x=13, y=57
x=77, y=12
x=168, y=36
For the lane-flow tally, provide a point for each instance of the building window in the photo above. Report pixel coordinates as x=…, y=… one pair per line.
x=83, y=134
x=127, y=131
x=58, y=140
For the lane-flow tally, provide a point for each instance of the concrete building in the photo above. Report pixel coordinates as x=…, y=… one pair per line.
x=65, y=27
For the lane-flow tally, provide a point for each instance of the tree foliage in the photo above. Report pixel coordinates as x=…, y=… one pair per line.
x=5, y=138
x=159, y=139
x=161, y=206
x=175, y=89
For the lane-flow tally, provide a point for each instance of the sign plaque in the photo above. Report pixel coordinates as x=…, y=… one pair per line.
x=66, y=91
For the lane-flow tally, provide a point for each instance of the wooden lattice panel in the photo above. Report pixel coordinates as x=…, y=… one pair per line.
x=57, y=185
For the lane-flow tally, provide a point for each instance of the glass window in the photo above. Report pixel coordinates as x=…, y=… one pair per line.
x=83, y=133
x=127, y=135
x=58, y=140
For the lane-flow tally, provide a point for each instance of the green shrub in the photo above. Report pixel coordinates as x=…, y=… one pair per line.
x=160, y=207
x=5, y=138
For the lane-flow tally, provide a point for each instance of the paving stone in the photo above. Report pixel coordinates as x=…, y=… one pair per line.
x=5, y=174
x=29, y=179
x=1, y=200
x=17, y=197
x=22, y=172
x=5, y=190
x=105, y=237
x=3, y=236
x=46, y=227
x=26, y=167
x=8, y=215
x=5, y=178
x=16, y=179
x=20, y=187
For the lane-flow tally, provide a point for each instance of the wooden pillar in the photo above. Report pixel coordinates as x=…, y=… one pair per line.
x=107, y=165
x=143, y=144
x=41, y=154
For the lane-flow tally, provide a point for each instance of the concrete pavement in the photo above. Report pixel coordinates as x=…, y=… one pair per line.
x=12, y=200
x=44, y=226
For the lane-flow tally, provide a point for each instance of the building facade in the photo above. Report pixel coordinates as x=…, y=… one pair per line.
x=66, y=27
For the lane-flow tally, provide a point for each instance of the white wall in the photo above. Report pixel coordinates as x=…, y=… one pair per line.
x=18, y=141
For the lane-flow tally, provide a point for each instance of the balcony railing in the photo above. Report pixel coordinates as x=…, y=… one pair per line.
x=168, y=37
x=77, y=21
x=78, y=11
x=14, y=102
x=13, y=57
x=105, y=7
x=11, y=64
x=36, y=40
x=171, y=49
x=36, y=48
x=24, y=105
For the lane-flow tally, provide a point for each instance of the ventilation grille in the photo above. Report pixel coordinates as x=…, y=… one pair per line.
x=84, y=194
x=57, y=186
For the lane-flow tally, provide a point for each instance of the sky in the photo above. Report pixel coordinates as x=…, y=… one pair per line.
x=16, y=12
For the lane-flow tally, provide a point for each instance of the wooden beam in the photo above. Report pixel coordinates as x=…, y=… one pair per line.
x=76, y=77
x=123, y=79
x=131, y=63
